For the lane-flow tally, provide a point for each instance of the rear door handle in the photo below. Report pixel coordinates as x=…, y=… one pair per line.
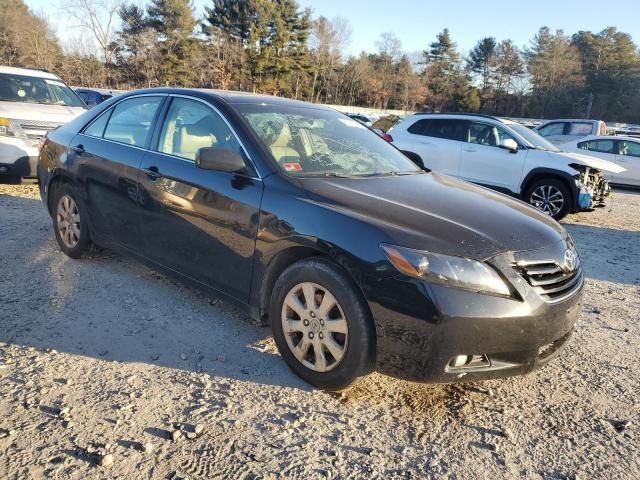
x=152, y=172
x=79, y=149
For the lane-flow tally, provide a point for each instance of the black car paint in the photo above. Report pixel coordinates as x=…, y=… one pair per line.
x=233, y=234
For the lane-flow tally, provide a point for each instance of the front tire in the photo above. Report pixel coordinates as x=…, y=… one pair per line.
x=321, y=325
x=70, y=221
x=550, y=196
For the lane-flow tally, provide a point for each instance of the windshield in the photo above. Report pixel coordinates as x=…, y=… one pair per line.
x=532, y=139
x=25, y=89
x=315, y=142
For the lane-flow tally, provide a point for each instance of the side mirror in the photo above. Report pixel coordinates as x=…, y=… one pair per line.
x=509, y=144
x=219, y=159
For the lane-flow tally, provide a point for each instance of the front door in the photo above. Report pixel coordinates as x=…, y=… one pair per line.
x=485, y=163
x=199, y=223
x=108, y=155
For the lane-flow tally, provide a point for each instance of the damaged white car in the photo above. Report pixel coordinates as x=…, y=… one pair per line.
x=505, y=156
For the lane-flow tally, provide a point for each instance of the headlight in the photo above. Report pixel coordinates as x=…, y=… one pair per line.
x=455, y=272
x=11, y=128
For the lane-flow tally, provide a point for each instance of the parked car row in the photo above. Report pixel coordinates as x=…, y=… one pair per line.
x=95, y=96
x=359, y=259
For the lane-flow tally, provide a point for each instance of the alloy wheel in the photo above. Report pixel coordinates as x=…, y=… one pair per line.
x=68, y=221
x=548, y=199
x=314, y=327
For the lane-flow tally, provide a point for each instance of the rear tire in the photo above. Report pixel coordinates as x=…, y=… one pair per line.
x=328, y=340
x=70, y=221
x=550, y=196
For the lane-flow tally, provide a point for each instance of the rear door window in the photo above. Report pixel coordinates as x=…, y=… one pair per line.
x=96, y=128
x=131, y=121
x=448, y=129
x=419, y=128
x=602, y=146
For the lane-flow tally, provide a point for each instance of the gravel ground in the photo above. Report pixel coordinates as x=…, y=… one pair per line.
x=110, y=370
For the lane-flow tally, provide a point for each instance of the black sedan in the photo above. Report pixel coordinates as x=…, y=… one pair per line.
x=359, y=260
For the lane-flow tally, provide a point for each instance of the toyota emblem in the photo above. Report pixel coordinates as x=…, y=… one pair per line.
x=569, y=260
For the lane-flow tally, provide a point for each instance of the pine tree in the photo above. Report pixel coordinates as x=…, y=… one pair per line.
x=175, y=23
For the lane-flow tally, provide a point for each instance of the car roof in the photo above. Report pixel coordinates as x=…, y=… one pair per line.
x=581, y=120
x=589, y=138
x=32, y=72
x=233, y=97
x=459, y=115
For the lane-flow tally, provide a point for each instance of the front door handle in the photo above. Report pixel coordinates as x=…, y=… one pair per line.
x=470, y=150
x=79, y=149
x=151, y=172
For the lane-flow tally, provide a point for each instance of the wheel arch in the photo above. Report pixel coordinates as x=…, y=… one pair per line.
x=540, y=173
x=284, y=259
x=56, y=179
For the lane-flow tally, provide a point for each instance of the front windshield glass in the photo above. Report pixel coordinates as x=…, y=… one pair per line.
x=534, y=140
x=314, y=142
x=26, y=89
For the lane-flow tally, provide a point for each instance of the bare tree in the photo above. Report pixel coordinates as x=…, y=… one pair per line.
x=98, y=17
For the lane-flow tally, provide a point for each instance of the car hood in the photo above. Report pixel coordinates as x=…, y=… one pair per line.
x=37, y=111
x=593, y=162
x=435, y=212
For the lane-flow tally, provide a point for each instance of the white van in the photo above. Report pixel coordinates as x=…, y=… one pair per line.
x=32, y=102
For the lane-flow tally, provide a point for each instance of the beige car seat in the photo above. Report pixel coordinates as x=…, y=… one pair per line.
x=280, y=148
x=188, y=139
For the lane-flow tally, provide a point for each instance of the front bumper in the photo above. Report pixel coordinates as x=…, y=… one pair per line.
x=422, y=328
x=18, y=159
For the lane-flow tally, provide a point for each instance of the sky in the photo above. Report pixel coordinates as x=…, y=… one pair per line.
x=416, y=22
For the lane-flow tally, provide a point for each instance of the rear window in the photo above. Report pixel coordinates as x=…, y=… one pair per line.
x=580, y=128
x=28, y=89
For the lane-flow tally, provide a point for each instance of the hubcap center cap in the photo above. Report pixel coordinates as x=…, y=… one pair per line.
x=315, y=325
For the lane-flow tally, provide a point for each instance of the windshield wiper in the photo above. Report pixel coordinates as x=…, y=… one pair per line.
x=325, y=174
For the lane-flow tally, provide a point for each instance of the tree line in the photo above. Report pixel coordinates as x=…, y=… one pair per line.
x=277, y=47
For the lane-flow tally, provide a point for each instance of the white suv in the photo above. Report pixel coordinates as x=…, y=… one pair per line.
x=32, y=102
x=505, y=156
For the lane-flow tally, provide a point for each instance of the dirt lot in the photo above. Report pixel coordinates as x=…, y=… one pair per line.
x=109, y=370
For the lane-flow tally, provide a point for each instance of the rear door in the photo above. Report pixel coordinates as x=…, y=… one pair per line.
x=437, y=141
x=199, y=223
x=108, y=155
x=484, y=162
x=629, y=158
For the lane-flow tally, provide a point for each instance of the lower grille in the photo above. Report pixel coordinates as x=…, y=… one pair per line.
x=550, y=281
